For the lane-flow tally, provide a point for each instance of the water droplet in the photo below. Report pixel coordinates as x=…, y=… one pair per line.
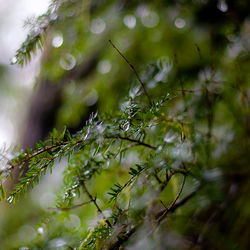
x=57, y=40
x=107, y=163
x=126, y=126
x=179, y=23
x=169, y=137
x=104, y=66
x=56, y=243
x=100, y=128
x=222, y=5
x=150, y=19
x=68, y=62
x=40, y=230
x=213, y=174
x=97, y=26
x=10, y=199
x=86, y=172
x=133, y=92
x=87, y=134
x=129, y=21
x=13, y=60
x=91, y=98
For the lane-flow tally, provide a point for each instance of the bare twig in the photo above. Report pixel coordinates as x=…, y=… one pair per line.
x=134, y=70
x=179, y=74
x=189, y=90
x=95, y=203
x=137, y=141
x=70, y=208
x=158, y=179
x=163, y=213
x=132, y=140
x=174, y=202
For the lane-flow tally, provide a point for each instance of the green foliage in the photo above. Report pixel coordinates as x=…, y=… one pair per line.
x=158, y=167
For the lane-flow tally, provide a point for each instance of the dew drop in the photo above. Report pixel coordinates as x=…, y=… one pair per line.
x=169, y=137
x=40, y=230
x=150, y=19
x=86, y=172
x=68, y=62
x=126, y=126
x=104, y=66
x=97, y=26
x=179, y=23
x=91, y=98
x=129, y=21
x=222, y=5
x=133, y=92
x=57, y=40
x=13, y=60
x=10, y=199
x=57, y=243
x=86, y=136
x=107, y=163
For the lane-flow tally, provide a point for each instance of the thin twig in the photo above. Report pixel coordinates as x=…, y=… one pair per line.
x=201, y=60
x=95, y=203
x=174, y=202
x=163, y=204
x=69, y=208
x=158, y=179
x=179, y=74
x=163, y=213
x=189, y=90
x=136, y=141
x=139, y=143
x=177, y=197
x=134, y=70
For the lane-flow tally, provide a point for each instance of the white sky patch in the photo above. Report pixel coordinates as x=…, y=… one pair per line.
x=12, y=16
x=14, y=13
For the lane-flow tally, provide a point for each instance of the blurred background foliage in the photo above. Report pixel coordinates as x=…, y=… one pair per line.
x=195, y=54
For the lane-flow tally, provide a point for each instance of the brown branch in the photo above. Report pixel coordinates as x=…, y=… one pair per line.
x=95, y=203
x=136, y=141
x=134, y=70
x=177, y=197
x=179, y=74
x=158, y=179
x=174, y=202
x=163, y=213
x=189, y=90
x=69, y=208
